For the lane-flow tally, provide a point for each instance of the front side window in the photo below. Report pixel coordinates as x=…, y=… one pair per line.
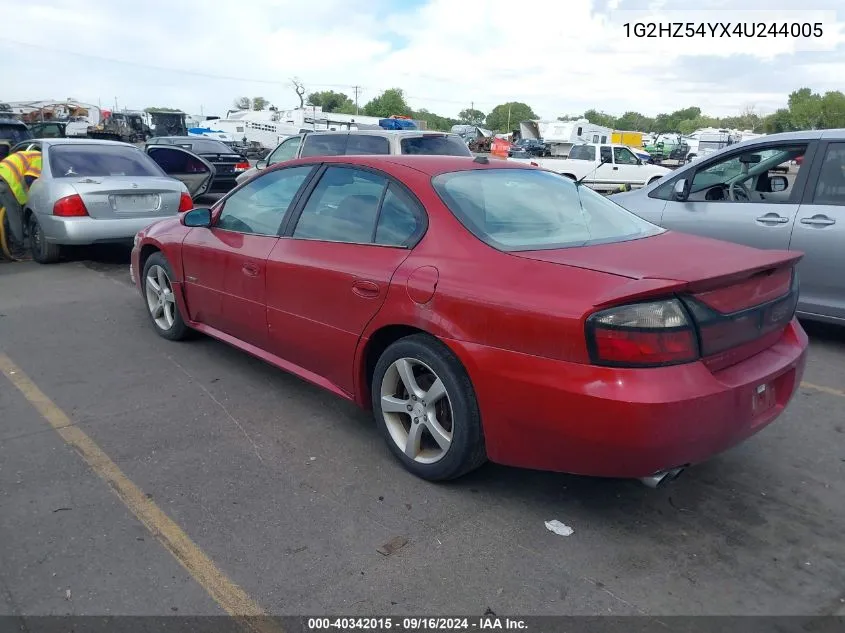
x=324, y=145
x=521, y=209
x=260, y=206
x=343, y=207
x=605, y=154
x=285, y=151
x=624, y=156
x=830, y=188
x=745, y=177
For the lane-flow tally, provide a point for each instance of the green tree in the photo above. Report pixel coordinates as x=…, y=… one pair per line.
x=259, y=103
x=434, y=121
x=633, y=121
x=332, y=101
x=779, y=121
x=833, y=110
x=390, y=102
x=471, y=116
x=506, y=116
x=156, y=109
x=805, y=109
x=242, y=103
x=600, y=118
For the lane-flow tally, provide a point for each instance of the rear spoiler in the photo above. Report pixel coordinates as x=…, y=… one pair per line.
x=723, y=272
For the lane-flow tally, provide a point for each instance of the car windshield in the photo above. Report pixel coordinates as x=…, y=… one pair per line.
x=527, y=209
x=206, y=146
x=14, y=133
x=97, y=161
x=440, y=145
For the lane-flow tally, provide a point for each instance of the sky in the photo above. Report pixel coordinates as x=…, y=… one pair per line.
x=561, y=57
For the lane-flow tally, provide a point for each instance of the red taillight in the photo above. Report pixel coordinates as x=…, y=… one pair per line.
x=70, y=207
x=649, y=334
x=241, y=166
x=185, y=202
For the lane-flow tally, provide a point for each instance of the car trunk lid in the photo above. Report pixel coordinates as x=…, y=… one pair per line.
x=740, y=298
x=225, y=163
x=124, y=197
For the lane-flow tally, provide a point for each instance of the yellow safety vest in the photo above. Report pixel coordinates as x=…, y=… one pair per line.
x=16, y=168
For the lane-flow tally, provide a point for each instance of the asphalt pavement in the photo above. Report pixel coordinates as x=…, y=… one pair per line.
x=140, y=476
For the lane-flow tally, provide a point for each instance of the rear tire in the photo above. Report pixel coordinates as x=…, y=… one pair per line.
x=437, y=440
x=42, y=251
x=160, y=300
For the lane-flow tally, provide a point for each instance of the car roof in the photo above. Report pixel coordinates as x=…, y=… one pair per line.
x=431, y=165
x=11, y=122
x=384, y=132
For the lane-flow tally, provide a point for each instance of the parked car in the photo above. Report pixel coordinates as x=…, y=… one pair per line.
x=368, y=142
x=227, y=162
x=92, y=191
x=604, y=168
x=528, y=147
x=486, y=309
x=12, y=132
x=732, y=195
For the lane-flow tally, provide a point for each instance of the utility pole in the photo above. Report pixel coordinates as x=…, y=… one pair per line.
x=357, y=88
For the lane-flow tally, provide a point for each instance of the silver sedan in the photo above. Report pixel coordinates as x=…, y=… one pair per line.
x=93, y=191
x=782, y=191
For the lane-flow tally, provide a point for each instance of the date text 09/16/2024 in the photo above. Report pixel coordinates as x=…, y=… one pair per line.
x=723, y=29
x=482, y=623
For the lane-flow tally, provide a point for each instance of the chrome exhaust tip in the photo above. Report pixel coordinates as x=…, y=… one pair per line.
x=662, y=477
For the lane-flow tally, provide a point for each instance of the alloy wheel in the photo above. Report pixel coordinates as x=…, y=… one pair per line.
x=160, y=299
x=417, y=410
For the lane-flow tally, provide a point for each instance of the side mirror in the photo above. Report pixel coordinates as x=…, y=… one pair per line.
x=778, y=183
x=681, y=190
x=639, y=161
x=197, y=218
x=262, y=164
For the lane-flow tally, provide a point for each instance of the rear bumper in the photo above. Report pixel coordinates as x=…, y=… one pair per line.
x=84, y=231
x=223, y=184
x=568, y=417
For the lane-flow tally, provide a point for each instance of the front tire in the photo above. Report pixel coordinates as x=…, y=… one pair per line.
x=42, y=251
x=160, y=300
x=425, y=407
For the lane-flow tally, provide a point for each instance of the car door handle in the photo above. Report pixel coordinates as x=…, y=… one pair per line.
x=615, y=168
x=366, y=289
x=774, y=218
x=250, y=270
x=818, y=220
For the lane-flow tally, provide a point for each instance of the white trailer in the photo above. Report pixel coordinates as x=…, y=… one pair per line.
x=560, y=136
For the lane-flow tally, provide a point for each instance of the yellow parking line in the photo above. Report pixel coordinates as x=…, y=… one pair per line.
x=226, y=593
x=828, y=390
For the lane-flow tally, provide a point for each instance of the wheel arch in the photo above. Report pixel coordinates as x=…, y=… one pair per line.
x=371, y=350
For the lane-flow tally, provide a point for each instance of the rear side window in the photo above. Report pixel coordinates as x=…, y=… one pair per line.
x=367, y=144
x=583, y=152
x=398, y=220
x=438, y=145
x=14, y=133
x=324, y=145
x=343, y=208
x=831, y=186
x=74, y=161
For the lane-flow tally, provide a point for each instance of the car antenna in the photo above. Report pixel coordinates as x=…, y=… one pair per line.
x=482, y=160
x=602, y=161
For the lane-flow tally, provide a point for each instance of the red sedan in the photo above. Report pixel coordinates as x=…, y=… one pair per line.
x=486, y=310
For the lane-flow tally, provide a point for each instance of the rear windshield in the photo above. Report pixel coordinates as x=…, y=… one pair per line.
x=439, y=145
x=583, y=152
x=96, y=161
x=14, y=133
x=207, y=146
x=527, y=209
